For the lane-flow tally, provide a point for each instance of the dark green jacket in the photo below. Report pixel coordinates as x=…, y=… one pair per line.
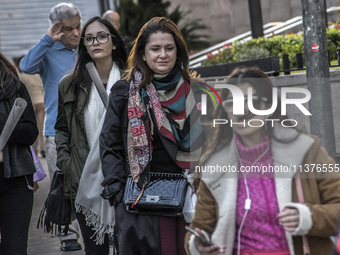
x=70, y=137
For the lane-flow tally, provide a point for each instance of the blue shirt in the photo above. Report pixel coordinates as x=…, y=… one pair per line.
x=52, y=60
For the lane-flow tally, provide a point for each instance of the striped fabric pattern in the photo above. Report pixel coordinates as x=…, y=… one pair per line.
x=173, y=104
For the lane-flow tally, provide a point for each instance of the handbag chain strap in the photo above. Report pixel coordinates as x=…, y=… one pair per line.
x=297, y=179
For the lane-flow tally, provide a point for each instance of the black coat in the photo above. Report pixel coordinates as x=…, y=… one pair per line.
x=137, y=234
x=17, y=157
x=113, y=144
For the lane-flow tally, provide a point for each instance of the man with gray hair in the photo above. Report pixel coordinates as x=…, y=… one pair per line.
x=53, y=57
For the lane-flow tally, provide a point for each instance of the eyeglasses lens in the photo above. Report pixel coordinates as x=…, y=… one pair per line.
x=101, y=38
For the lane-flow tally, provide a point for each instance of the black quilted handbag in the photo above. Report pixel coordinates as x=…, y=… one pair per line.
x=164, y=194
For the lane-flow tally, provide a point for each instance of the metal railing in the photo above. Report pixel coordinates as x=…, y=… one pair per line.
x=270, y=29
x=270, y=65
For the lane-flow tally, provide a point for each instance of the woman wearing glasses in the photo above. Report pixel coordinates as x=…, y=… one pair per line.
x=251, y=210
x=80, y=112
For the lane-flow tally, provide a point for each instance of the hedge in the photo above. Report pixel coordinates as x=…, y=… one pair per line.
x=265, y=47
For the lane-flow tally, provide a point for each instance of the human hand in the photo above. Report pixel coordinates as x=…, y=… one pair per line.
x=207, y=250
x=289, y=219
x=55, y=31
x=35, y=187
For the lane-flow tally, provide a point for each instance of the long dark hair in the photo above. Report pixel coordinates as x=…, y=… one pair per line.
x=135, y=61
x=8, y=72
x=119, y=55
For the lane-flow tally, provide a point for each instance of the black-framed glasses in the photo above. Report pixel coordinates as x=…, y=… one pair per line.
x=228, y=103
x=101, y=38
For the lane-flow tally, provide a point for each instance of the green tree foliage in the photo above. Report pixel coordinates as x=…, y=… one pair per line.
x=134, y=16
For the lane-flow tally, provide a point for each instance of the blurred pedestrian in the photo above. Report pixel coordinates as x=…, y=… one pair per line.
x=254, y=211
x=114, y=18
x=53, y=57
x=80, y=114
x=35, y=89
x=16, y=164
x=146, y=130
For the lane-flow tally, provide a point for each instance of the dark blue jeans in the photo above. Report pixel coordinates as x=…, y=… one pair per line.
x=16, y=202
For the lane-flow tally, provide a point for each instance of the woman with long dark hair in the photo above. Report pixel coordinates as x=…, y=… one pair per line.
x=16, y=164
x=253, y=208
x=80, y=113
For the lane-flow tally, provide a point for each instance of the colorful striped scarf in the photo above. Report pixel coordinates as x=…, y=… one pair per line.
x=177, y=118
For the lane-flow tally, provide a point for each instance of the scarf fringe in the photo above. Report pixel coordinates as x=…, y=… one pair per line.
x=94, y=220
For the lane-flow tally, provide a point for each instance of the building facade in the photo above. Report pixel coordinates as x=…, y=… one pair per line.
x=229, y=18
x=23, y=23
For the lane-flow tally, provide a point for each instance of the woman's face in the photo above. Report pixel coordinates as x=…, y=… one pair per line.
x=160, y=52
x=249, y=135
x=102, y=49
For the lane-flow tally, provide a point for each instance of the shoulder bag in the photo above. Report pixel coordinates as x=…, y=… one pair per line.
x=162, y=194
x=57, y=210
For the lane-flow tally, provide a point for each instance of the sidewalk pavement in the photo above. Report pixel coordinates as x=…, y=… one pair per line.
x=39, y=242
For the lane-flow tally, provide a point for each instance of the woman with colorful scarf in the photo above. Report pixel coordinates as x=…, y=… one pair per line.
x=147, y=128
